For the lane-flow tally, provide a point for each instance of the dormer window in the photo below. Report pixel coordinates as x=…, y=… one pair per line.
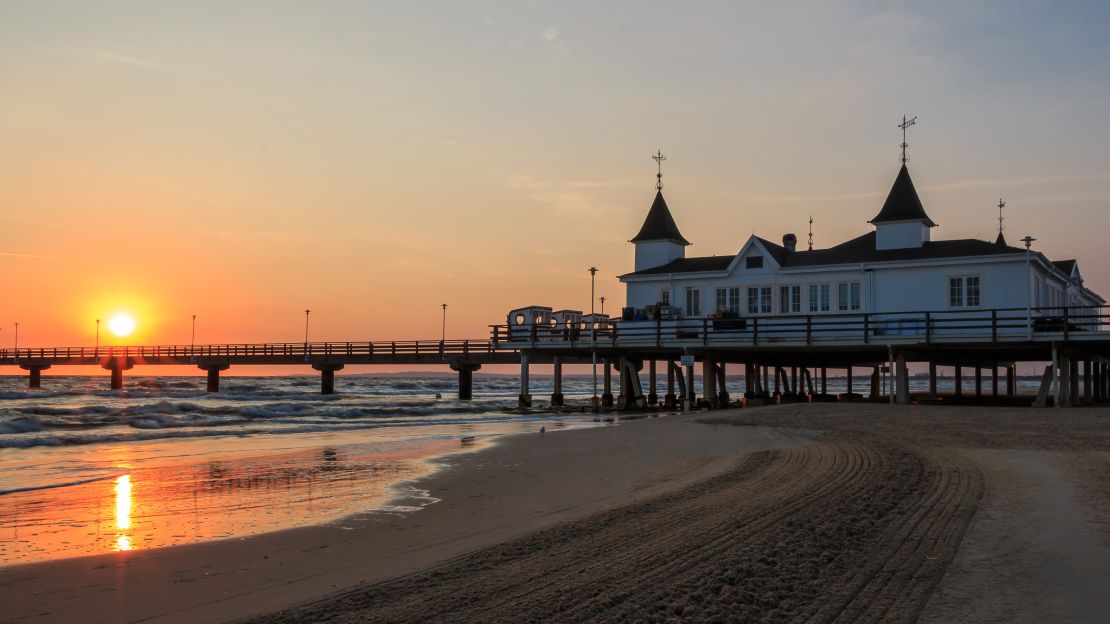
x=753, y=262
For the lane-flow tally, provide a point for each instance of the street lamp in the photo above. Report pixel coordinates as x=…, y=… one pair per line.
x=593, y=336
x=96, y=351
x=17, y=339
x=603, y=305
x=306, y=313
x=443, y=329
x=193, y=339
x=1028, y=240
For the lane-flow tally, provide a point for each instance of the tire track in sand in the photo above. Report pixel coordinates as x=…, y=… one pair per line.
x=840, y=530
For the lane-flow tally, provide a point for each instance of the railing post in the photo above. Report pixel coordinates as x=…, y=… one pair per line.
x=705, y=331
x=755, y=330
x=928, y=327
x=809, y=329
x=994, y=327
x=658, y=331
x=866, y=328
x=1067, y=322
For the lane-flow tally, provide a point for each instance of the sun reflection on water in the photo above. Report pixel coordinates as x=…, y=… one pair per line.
x=123, y=511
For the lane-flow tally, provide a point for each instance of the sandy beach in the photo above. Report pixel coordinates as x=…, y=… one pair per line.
x=807, y=512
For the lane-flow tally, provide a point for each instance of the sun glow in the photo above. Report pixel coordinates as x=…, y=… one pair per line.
x=121, y=325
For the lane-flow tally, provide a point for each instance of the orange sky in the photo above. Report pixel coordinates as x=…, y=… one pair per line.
x=373, y=163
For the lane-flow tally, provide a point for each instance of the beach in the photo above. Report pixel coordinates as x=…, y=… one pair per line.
x=802, y=512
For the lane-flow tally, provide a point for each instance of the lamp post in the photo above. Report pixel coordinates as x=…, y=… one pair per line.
x=443, y=334
x=193, y=339
x=306, y=313
x=17, y=339
x=603, y=305
x=593, y=337
x=1028, y=240
x=96, y=350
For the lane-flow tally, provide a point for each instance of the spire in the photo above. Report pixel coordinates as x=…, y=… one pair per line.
x=906, y=123
x=659, y=224
x=659, y=158
x=902, y=204
x=1001, y=240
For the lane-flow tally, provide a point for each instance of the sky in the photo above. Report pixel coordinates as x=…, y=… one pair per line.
x=244, y=161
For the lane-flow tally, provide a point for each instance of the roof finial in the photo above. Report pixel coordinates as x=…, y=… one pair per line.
x=659, y=158
x=811, y=232
x=906, y=123
x=1001, y=205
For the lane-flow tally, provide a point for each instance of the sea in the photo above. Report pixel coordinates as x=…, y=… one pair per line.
x=86, y=470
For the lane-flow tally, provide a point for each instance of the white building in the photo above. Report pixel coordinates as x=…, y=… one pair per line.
x=895, y=268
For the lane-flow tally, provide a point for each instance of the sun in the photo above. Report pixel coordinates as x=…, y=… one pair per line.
x=121, y=325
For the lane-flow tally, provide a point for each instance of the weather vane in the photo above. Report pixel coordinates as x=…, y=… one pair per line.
x=1001, y=205
x=811, y=232
x=906, y=123
x=659, y=158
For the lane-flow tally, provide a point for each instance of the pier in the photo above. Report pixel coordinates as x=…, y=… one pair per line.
x=782, y=357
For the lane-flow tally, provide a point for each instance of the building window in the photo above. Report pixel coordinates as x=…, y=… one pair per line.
x=819, y=297
x=728, y=300
x=790, y=299
x=693, y=301
x=753, y=262
x=848, y=297
x=963, y=291
x=665, y=297
x=759, y=300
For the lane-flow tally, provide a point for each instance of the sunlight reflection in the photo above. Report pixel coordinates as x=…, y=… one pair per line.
x=123, y=512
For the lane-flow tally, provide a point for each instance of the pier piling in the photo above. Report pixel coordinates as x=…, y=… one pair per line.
x=213, y=371
x=557, y=380
x=466, y=378
x=327, y=376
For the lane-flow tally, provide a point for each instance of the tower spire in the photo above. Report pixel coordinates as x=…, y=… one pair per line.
x=906, y=123
x=1001, y=205
x=658, y=157
x=811, y=232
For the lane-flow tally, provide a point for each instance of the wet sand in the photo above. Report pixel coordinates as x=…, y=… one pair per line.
x=889, y=514
x=523, y=484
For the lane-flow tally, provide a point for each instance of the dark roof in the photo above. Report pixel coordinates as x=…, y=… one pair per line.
x=902, y=204
x=1067, y=266
x=659, y=224
x=859, y=249
x=1001, y=240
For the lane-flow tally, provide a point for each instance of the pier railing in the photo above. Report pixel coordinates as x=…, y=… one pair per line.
x=975, y=325
x=260, y=350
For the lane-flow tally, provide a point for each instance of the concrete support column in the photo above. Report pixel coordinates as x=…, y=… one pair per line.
x=213, y=371
x=116, y=366
x=1011, y=380
x=653, y=395
x=709, y=383
x=466, y=378
x=932, y=379
x=901, y=379
x=794, y=390
x=824, y=381
x=607, y=387
x=691, y=396
x=1087, y=381
x=327, y=376
x=1073, y=381
x=557, y=380
x=876, y=383
x=669, y=399
x=849, y=379
x=978, y=382
x=722, y=387
x=35, y=371
x=958, y=381
x=525, y=398
x=994, y=380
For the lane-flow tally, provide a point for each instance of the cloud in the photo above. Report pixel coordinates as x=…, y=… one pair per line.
x=31, y=256
x=551, y=36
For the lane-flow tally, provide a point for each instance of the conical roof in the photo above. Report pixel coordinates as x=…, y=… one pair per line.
x=1001, y=240
x=659, y=224
x=902, y=204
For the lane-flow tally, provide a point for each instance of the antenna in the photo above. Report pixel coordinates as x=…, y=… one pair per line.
x=811, y=232
x=659, y=158
x=906, y=123
x=1001, y=205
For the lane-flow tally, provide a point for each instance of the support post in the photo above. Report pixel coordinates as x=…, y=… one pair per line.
x=213, y=370
x=849, y=374
x=653, y=396
x=691, y=396
x=722, y=388
x=824, y=382
x=525, y=398
x=607, y=387
x=116, y=366
x=994, y=380
x=669, y=399
x=557, y=381
x=1011, y=379
x=1073, y=381
x=35, y=371
x=902, y=379
x=327, y=376
x=466, y=378
x=1087, y=381
x=958, y=381
x=709, y=383
x=876, y=383
x=1055, y=375
x=933, y=379
x=978, y=382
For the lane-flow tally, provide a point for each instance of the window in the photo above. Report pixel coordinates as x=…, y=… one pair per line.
x=753, y=262
x=790, y=299
x=728, y=299
x=693, y=301
x=963, y=291
x=848, y=297
x=665, y=296
x=819, y=297
x=759, y=300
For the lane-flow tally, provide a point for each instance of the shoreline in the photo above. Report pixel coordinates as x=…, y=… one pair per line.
x=521, y=483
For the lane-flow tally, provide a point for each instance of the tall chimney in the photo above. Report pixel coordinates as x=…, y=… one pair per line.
x=790, y=241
